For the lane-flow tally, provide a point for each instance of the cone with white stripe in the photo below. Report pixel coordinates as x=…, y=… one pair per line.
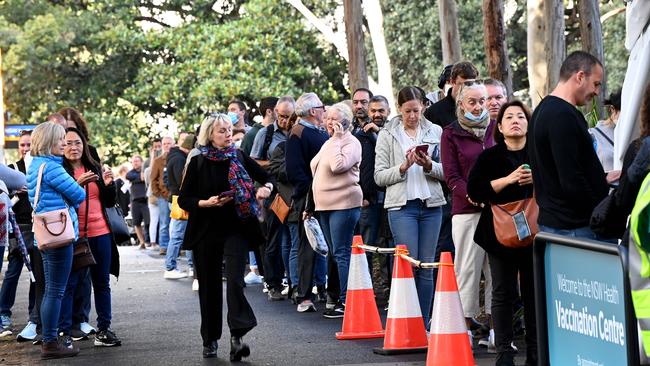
x=405, y=331
x=361, y=319
x=448, y=342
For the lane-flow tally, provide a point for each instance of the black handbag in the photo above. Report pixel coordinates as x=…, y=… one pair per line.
x=83, y=256
x=607, y=220
x=116, y=221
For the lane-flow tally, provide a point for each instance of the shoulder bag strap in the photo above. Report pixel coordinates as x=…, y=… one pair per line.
x=87, y=205
x=38, y=185
x=604, y=135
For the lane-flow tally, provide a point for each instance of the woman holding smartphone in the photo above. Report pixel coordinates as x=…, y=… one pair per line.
x=412, y=179
x=337, y=193
x=219, y=195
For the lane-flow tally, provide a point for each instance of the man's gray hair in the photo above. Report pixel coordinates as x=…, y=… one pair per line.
x=306, y=102
x=287, y=99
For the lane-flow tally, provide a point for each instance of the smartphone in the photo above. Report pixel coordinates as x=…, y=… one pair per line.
x=424, y=148
x=229, y=193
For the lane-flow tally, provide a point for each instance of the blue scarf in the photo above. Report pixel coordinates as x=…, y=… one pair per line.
x=238, y=179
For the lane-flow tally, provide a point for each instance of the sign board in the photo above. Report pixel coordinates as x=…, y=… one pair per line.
x=12, y=132
x=584, y=304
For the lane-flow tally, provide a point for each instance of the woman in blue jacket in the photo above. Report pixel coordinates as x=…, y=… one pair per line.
x=58, y=190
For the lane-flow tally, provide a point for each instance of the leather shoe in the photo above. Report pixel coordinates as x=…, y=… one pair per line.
x=238, y=349
x=210, y=350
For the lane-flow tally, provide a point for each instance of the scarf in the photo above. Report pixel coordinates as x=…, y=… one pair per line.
x=238, y=179
x=475, y=128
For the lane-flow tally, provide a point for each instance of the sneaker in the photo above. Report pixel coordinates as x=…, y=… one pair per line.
x=5, y=332
x=285, y=290
x=336, y=312
x=66, y=340
x=174, y=274
x=37, y=340
x=78, y=335
x=491, y=347
x=5, y=321
x=252, y=279
x=58, y=349
x=306, y=306
x=265, y=288
x=321, y=295
x=28, y=333
x=275, y=295
x=87, y=328
x=190, y=272
x=106, y=338
x=163, y=251
x=195, y=285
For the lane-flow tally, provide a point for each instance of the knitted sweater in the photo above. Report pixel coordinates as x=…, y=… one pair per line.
x=336, y=174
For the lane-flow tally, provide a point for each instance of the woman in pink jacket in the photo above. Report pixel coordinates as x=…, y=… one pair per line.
x=337, y=194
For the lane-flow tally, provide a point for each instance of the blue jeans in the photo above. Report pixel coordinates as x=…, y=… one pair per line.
x=10, y=282
x=99, y=274
x=163, y=222
x=338, y=228
x=81, y=298
x=581, y=232
x=56, y=265
x=176, y=234
x=418, y=227
x=320, y=265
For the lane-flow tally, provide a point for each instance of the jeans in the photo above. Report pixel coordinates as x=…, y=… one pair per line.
x=304, y=263
x=338, y=228
x=99, y=274
x=10, y=282
x=581, y=232
x=176, y=234
x=163, y=222
x=81, y=298
x=56, y=265
x=417, y=226
x=293, y=253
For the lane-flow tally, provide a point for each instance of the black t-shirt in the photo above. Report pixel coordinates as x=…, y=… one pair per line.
x=569, y=179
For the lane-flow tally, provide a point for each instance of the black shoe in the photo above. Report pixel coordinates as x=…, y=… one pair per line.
x=238, y=349
x=58, y=349
x=275, y=294
x=38, y=340
x=210, y=351
x=78, y=335
x=337, y=312
x=479, y=329
x=294, y=295
x=106, y=338
x=321, y=297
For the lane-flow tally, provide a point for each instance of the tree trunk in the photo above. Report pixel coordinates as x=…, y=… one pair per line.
x=375, y=19
x=554, y=47
x=451, y=51
x=536, y=56
x=353, y=17
x=494, y=39
x=591, y=34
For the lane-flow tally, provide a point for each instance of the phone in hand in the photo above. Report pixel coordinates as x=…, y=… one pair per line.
x=229, y=193
x=424, y=148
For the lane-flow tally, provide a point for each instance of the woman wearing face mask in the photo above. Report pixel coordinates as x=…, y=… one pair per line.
x=603, y=136
x=462, y=142
x=499, y=176
x=407, y=165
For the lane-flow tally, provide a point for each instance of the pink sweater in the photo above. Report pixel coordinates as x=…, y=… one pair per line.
x=336, y=174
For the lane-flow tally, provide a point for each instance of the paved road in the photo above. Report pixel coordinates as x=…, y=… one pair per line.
x=158, y=322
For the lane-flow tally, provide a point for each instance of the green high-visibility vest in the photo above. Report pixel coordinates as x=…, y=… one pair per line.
x=639, y=262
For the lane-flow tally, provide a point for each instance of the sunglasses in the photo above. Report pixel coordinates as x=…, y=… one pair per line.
x=470, y=82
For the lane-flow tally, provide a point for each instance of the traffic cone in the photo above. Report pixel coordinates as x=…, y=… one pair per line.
x=448, y=341
x=361, y=319
x=404, y=327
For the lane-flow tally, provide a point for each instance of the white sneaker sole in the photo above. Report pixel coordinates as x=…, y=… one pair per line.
x=100, y=344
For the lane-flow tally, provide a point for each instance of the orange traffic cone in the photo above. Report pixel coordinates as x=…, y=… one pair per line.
x=404, y=327
x=361, y=319
x=448, y=342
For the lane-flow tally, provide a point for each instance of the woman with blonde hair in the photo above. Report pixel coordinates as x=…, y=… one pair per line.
x=58, y=190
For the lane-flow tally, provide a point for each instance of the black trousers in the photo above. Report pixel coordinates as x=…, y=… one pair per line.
x=273, y=265
x=207, y=256
x=36, y=289
x=506, y=270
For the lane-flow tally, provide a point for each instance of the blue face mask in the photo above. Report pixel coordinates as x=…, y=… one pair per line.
x=474, y=119
x=233, y=117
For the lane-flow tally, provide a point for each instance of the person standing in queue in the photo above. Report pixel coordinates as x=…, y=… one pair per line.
x=218, y=193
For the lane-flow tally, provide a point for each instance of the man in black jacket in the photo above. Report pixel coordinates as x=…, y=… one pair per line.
x=139, y=208
x=443, y=112
x=175, y=167
x=569, y=179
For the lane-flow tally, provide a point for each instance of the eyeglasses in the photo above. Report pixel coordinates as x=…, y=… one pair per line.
x=319, y=107
x=283, y=116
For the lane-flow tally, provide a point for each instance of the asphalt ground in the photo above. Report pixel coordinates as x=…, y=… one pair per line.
x=158, y=322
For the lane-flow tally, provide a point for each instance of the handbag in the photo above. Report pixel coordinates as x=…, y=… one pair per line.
x=176, y=212
x=607, y=219
x=52, y=229
x=280, y=208
x=515, y=223
x=82, y=255
x=119, y=229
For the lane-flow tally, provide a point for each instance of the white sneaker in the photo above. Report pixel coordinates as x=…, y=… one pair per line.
x=195, y=285
x=306, y=306
x=252, y=279
x=285, y=291
x=491, y=347
x=87, y=328
x=174, y=274
x=190, y=272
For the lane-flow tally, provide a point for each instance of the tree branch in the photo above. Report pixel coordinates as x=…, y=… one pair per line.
x=151, y=20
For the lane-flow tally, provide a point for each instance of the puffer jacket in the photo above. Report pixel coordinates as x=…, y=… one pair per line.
x=58, y=188
x=390, y=155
